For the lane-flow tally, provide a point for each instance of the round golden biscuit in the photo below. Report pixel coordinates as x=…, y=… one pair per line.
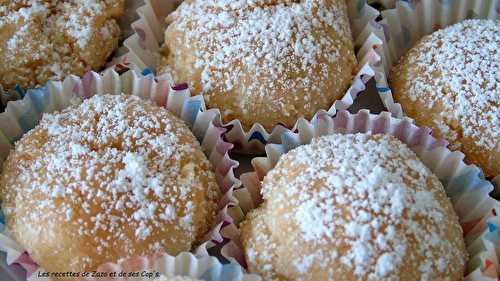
x=111, y=178
x=450, y=82
x=42, y=40
x=264, y=61
x=353, y=207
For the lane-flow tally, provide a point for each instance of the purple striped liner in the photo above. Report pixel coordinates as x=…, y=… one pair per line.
x=478, y=212
x=22, y=115
x=142, y=50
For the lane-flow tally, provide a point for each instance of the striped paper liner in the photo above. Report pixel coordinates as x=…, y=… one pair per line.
x=467, y=189
x=124, y=22
x=22, y=115
x=410, y=20
x=142, y=51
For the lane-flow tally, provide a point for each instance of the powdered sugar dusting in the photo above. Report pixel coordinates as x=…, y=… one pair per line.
x=51, y=39
x=259, y=48
x=355, y=206
x=115, y=171
x=457, y=71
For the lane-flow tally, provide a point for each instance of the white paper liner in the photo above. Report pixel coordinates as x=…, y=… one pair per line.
x=22, y=115
x=142, y=52
x=129, y=16
x=185, y=264
x=468, y=191
x=402, y=26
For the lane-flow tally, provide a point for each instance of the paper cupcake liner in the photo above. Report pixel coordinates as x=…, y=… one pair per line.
x=142, y=51
x=10, y=95
x=402, y=26
x=152, y=267
x=22, y=115
x=124, y=22
x=125, y=31
x=464, y=184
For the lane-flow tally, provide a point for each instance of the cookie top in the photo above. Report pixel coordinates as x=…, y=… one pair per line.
x=450, y=81
x=353, y=207
x=42, y=40
x=265, y=61
x=109, y=179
